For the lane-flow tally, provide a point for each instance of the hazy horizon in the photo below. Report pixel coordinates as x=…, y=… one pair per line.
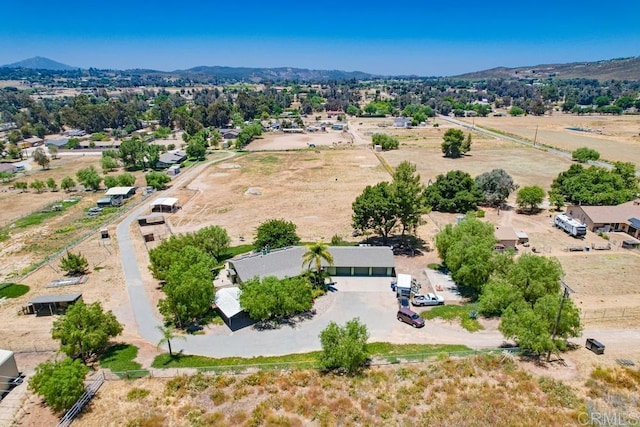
x=400, y=38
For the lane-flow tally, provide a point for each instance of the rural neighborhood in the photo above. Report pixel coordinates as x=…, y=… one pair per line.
x=227, y=251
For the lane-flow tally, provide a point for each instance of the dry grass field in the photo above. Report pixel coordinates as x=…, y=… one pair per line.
x=616, y=138
x=314, y=189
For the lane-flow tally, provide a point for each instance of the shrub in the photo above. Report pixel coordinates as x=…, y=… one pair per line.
x=344, y=348
x=74, y=264
x=59, y=383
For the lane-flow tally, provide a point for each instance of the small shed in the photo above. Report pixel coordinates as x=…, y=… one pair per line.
x=152, y=219
x=173, y=170
x=48, y=305
x=228, y=304
x=164, y=204
x=104, y=202
x=506, y=236
x=8, y=371
x=522, y=237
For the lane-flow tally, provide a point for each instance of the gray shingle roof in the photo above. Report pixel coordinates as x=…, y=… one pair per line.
x=287, y=262
x=51, y=299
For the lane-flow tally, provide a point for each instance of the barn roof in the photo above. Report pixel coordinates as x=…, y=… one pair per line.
x=228, y=301
x=51, y=299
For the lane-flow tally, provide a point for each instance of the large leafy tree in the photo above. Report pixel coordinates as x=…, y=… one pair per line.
x=344, y=347
x=275, y=233
x=409, y=196
x=529, y=198
x=386, y=142
x=188, y=287
x=59, y=383
x=532, y=327
x=454, y=143
x=467, y=250
x=133, y=153
x=495, y=186
x=597, y=186
x=67, y=183
x=213, y=240
x=84, y=330
x=585, y=154
x=89, y=177
x=273, y=298
x=157, y=180
x=454, y=192
x=314, y=255
x=375, y=209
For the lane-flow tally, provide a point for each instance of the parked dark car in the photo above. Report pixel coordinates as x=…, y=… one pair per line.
x=410, y=317
x=403, y=302
x=594, y=345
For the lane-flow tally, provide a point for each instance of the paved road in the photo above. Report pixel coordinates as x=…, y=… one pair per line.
x=142, y=310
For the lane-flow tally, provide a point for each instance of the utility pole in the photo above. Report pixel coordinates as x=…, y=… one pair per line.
x=535, y=138
x=565, y=294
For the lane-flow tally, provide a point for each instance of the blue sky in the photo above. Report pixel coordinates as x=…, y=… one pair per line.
x=400, y=37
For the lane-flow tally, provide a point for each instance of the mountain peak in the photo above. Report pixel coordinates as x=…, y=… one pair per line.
x=40, y=63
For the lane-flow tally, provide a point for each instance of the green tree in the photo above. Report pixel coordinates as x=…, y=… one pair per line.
x=467, y=249
x=532, y=327
x=157, y=180
x=108, y=164
x=585, y=154
x=51, y=183
x=516, y=111
x=84, y=330
x=556, y=199
x=41, y=158
x=67, y=183
x=529, y=198
x=409, y=196
x=126, y=179
x=60, y=383
x=275, y=233
x=352, y=110
x=375, y=209
x=271, y=298
x=344, y=348
x=535, y=276
x=495, y=186
x=213, y=240
x=596, y=186
x=315, y=254
x=168, y=334
x=454, y=144
x=21, y=185
x=38, y=185
x=196, y=150
x=188, y=287
x=387, y=142
x=89, y=178
x=110, y=182
x=454, y=192
x=602, y=101
x=133, y=152
x=74, y=264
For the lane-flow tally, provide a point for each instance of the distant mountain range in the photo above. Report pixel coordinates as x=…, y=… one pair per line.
x=40, y=63
x=612, y=69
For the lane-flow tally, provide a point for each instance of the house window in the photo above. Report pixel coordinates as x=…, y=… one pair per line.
x=343, y=271
x=361, y=271
x=379, y=271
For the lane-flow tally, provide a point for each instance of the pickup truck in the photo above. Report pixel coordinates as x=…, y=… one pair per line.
x=426, y=300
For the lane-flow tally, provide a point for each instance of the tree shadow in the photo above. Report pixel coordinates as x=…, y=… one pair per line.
x=407, y=245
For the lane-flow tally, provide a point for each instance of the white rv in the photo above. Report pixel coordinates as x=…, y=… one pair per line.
x=573, y=227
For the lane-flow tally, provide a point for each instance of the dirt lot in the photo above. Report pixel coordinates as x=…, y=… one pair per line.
x=616, y=138
x=296, y=141
x=314, y=189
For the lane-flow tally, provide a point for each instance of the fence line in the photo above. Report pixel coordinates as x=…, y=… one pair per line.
x=611, y=313
x=289, y=366
x=91, y=390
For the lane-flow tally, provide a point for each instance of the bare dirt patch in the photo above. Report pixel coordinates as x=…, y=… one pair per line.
x=314, y=189
x=616, y=138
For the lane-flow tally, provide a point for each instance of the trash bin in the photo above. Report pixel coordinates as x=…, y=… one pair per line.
x=594, y=345
x=586, y=248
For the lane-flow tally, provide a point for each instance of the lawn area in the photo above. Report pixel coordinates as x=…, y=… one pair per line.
x=36, y=218
x=120, y=358
x=466, y=314
x=12, y=290
x=303, y=360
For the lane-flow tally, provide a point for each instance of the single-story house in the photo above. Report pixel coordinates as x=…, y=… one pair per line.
x=506, y=236
x=59, y=143
x=164, y=204
x=624, y=217
x=402, y=122
x=287, y=262
x=7, y=167
x=339, y=126
x=229, y=133
x=48, y=305
x=171, y=158
x=124, y=192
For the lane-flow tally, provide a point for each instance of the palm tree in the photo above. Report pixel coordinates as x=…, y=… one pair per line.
x=316, y=252
x=167, y=336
